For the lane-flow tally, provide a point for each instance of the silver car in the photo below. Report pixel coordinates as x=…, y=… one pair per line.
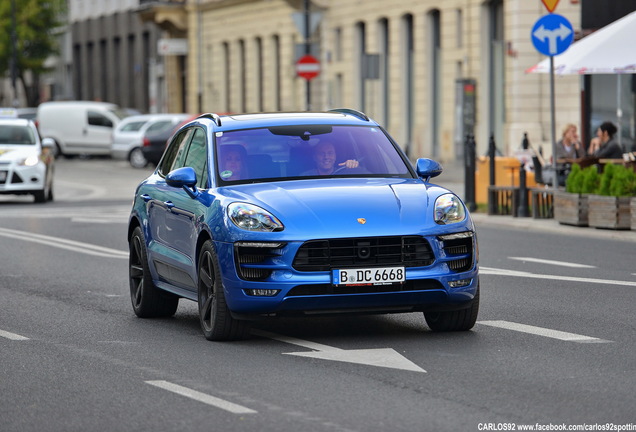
x=129, y=133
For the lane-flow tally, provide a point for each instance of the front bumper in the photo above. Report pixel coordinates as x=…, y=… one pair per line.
x=432, y=287
x=22, y=179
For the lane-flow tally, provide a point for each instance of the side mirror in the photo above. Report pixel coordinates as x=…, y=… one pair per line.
x=427, y=168
x=48, y=143
x=185, y=178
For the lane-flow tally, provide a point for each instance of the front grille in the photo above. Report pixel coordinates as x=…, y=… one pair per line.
x=324, y=255
x=460, y=247
x=328, y=289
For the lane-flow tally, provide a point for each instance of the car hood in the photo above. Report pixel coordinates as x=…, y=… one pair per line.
x=346, y=207
x=9, y=152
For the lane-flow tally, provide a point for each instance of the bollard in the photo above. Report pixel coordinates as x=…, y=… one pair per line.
x=469, y=173
x=492, y=149
x=523, y=190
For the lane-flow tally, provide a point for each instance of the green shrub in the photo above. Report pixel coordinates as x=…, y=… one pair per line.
x=606, y=179
x=591, y=179
x=618, y=181
x=582, y=181
x=574, y=182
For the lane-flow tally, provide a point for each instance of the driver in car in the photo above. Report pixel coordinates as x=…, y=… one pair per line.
x=324, y=156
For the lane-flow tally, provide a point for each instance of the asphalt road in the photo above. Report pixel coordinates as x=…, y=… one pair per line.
x=554, y=344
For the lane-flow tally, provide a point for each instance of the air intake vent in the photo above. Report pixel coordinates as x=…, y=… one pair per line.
x=254, y=259
x=459, y=248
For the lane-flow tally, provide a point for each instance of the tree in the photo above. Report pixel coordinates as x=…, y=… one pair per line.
x=35, y=40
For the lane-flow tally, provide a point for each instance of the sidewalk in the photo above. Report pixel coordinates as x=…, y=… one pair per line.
x=453, y=178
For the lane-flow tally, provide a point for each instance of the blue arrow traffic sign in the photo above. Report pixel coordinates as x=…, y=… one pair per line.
x=552, y=34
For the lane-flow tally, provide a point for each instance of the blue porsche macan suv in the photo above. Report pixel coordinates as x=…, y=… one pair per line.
x=259, y=215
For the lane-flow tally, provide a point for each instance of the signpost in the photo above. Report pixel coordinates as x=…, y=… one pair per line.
x=551, y=35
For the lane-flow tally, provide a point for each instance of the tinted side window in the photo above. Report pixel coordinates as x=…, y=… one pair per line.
x=175, y=154
x=98, y=119
x=197, y=157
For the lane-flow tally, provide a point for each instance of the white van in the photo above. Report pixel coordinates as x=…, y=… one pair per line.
x=79, y=127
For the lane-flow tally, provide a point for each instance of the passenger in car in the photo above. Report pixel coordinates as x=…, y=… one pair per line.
x=232, y=165
x=324, y=156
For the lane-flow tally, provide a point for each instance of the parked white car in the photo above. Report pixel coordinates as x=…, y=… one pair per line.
x=26, y=163
x=79, y=127
x=129, y=133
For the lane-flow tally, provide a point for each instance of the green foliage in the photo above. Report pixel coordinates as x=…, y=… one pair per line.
x=606, y=180
x=582, y=181
x=617, y=181
x=36, y=24
x=574, y=181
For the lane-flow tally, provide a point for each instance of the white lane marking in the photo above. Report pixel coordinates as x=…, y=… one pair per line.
x=62, y=243
x=540, y=331
x=552, y=262
x=514, y=273
x=12, y=336
x=202, y=397
x=380, y=357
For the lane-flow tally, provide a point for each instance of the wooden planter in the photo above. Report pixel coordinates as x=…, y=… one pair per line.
x=609, y=212
x=570, y=208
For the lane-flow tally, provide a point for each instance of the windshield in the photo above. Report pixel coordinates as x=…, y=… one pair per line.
x=307, y=151
x=16, y=135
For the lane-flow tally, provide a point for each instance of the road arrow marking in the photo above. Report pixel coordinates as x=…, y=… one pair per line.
x=380, y=357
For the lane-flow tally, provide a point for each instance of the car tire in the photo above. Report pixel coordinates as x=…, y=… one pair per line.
x=44, y=195
x=40, y=196
x=458, y=320
x=216, y=321
x=148, y=301
x=137, y=158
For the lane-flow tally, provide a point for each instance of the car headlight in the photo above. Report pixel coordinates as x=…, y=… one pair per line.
x=29, y=161
x=449, y=209
x=253, y=218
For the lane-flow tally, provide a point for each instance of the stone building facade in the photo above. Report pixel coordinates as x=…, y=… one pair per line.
x=401, y=62
x=430, y=71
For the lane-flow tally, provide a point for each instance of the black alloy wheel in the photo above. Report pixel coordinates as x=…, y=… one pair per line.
x=216, y=321
x=148, y=301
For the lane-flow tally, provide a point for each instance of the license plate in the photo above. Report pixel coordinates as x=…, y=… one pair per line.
x=3, y=176
x=369, y=276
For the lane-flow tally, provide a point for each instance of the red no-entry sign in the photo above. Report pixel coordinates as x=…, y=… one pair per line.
x=308, y=67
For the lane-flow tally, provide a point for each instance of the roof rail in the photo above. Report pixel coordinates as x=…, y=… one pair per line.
x=359, y=114
x=214, y=117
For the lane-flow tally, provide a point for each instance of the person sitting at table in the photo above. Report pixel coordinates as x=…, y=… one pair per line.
x=609, y=148
x=595, y=143
x=569, y=146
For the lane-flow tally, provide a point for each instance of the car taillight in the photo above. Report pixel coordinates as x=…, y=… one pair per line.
x=146, y=142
